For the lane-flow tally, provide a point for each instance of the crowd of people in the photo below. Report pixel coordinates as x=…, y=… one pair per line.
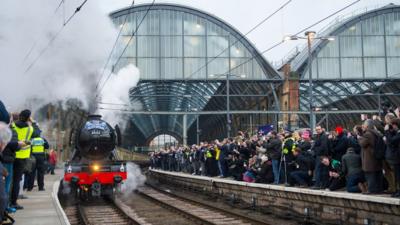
x=23, y=159
x=365, y=159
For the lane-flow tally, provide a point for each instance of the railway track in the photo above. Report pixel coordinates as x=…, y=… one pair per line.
x=149, y=206
x=197, y=212
x=99, y=212
x=215, y=208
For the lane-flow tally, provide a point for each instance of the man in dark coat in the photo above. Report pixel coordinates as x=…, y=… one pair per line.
x=392, y=154
x=320, y=148
x=4, y=116
x=304, y=167
x=340, y=144
x=352, y=169
x=5, y=137
x=274, y=151
x=371, y=166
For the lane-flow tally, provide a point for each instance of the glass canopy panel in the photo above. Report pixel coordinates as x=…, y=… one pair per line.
x=171, y=46
x=130, y=50
x=374, y=67
x=150, y=24
x=130, y=24
x=354, y=30
x=351, y=68
x=328, y=68
x=149, y=68
x=393, y=67
x=215, y=30
x=172, y=68
x=350, y=46
x=241, y=68
x=238, y=50
x=258, y=73
x=373, y=26
x=374, y=46
x=192, y=68
x=218, y=66
x=330, y=50
x=171, y=22
x=217, y=46
x=393, y=45
x=193, y=25
x=195, y=46
x=314, y=70
x=392, y=22
x=148, y=46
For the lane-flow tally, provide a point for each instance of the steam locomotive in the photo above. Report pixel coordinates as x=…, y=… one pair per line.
x=93, y=170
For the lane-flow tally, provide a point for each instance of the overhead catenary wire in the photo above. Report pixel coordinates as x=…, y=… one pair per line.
x=126, y=47
x=112, y=50
x=52, y=39
x=241, y=38
x=299, y=32
x=75, y=12
x=47, y=24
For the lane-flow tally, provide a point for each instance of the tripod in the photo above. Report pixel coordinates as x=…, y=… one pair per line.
x=283, y=159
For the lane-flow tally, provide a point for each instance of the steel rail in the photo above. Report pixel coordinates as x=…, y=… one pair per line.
x=196, y=202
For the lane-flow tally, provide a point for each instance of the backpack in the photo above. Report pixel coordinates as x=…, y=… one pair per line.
x=380, y=147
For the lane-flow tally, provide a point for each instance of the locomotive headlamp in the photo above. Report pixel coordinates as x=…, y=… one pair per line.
x=122, y=168
x=96, y=167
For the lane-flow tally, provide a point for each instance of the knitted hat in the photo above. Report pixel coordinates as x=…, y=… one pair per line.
x=24, y=115
x=339, y=130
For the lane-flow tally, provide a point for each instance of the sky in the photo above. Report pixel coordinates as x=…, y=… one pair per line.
x=245, y=14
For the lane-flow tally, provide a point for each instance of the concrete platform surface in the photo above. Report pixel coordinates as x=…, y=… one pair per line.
x=386, y=199
x=42, y=208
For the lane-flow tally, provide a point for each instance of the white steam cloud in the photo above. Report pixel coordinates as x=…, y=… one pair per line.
x=69, y=66
x=134, y=180
x=115, y=96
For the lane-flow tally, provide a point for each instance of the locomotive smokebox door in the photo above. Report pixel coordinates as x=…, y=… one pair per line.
x=96, y=189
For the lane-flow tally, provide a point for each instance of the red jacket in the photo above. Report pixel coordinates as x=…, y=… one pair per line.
x=53, y=158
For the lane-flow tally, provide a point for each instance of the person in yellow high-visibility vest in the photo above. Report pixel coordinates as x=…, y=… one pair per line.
x=39, y=146
x=25, y=132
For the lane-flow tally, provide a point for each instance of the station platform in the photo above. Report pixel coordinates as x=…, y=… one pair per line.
x=333, y=207
x=42, y=208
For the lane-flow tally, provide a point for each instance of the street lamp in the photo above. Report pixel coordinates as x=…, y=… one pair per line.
x=228, y=119
x=310, y=36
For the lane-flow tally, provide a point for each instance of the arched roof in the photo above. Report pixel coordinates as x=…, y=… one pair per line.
x=356, y=89
x=335, y=29
x=171, y=92
x=268, y=70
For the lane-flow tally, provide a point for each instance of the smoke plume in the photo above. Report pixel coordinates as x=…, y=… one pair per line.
x=33, y=67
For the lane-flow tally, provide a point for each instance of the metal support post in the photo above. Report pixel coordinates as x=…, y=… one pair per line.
x=184, y=128
x=197, y=131
x=228, y=119
x=310, y=36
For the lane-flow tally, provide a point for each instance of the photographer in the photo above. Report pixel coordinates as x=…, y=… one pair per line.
x=336, y=178
x=392, y=154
